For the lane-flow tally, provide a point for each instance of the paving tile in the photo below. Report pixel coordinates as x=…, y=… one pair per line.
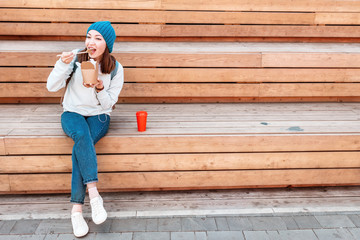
x=51, y=237
x=297, y=234
x=152, y=225
x=256, y=235
x=355, y=219
x=32, y=237
x=9, y=237
x=200, y=236
x=151, y=236
x=6, y=227
x=274, y=235
x=222, y=224
x=239, y=223
x=183, y=236
x=90, y=236
x=198, y=224
x=102, y=228
x=307, y=222
x=267, y=223
x=52, y=226
x=25, y=227
x=262, y=235
x=169, y=225
x=114, y=236
x=226, y=235
x=128, y=225
x=290, y=223
x=355, y=232
x=330, y=234
x=335, y=221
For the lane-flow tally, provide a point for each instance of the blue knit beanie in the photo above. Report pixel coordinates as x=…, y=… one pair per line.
x=106, y=30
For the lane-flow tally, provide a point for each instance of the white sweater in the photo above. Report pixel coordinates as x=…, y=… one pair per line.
x=82, y=100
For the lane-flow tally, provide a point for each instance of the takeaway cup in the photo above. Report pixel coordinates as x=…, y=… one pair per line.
x=141, y=117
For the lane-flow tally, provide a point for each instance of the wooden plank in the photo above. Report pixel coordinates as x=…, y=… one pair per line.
x=201, y=90
x=259, y=5
x=335, y=60
x=4, y=183
x=155, y=30
x=2, y=146
x=223, y=5
x=252, y=75
x=240, y=75
x=94, y=4
x=337, y=18
x=144, y=59
x=140, y=16
x=185, y=162
x=27, y=90
x=258, y=31
x=229, y=179
x=309, y=90
x=189, y=144
x=76, y=29
x=191, y=180
x=24, y=74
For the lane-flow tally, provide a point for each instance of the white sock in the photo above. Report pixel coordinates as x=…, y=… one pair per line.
x=76, y=208
x=93, y=193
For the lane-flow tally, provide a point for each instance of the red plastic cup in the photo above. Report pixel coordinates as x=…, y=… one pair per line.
x=141, y=117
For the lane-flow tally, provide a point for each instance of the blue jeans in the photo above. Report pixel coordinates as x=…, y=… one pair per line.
x=86, y=132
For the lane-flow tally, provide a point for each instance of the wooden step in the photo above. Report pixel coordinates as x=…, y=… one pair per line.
x=188, y=146
x=198, y=71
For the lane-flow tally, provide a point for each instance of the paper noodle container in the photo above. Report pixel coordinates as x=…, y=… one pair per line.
x=89, y=72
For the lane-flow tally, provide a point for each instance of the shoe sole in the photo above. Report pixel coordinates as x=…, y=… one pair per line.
x=100, y=222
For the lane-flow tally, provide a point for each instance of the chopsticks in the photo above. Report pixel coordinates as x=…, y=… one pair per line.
x=59, y=55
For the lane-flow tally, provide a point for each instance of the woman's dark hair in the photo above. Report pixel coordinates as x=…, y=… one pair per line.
x=107, y=62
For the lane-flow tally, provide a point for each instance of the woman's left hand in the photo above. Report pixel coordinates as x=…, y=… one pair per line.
x=99, y=85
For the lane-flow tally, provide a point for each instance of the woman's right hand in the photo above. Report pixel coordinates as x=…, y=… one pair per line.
x=67, y=57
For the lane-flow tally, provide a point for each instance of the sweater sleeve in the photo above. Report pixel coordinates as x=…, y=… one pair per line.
x=59, y=74
x=109, y=97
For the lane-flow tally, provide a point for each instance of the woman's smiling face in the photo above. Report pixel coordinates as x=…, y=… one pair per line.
x=95, y=44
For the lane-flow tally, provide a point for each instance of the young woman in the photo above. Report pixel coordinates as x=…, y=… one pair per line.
x=86, y=115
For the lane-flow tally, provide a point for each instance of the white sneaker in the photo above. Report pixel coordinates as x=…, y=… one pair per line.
x=80, y=227
x=98, y=211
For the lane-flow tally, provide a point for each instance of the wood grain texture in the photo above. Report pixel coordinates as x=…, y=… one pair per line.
x=184, y=162
x=2, y=146
x=143, y=59
x=334, y=60
x=198, y=75
x=191, y=180
x=223, y=5
x=162, y=17
x=188, y=144
x=215, y=90
x=4, y=183
x=156, y=30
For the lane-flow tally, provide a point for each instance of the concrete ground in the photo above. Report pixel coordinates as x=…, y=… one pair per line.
x=309, y=213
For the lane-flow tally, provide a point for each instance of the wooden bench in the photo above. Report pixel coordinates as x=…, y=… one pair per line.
x=262, y=113
x=198, y=72
x=189, y=146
